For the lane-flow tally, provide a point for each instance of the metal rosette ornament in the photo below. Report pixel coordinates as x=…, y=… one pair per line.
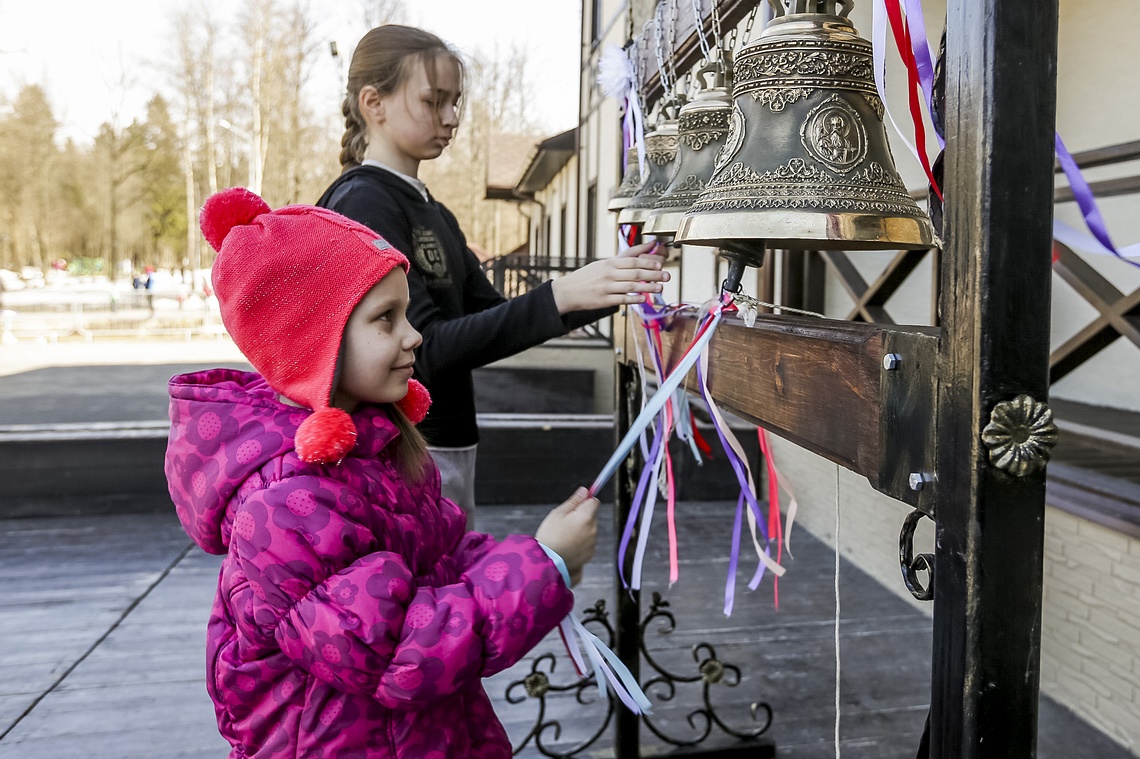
x=702, y=129
x=660, y=155
x=806, y=163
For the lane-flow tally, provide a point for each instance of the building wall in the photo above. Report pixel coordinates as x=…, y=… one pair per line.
x=1091, y=618
x=1090, y=627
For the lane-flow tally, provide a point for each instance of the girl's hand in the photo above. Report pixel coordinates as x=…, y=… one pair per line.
x=571, y=531
x=611, y=281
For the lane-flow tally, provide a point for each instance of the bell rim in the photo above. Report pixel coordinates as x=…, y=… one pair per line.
x=634, y=215
x=807, y=230
x=663, y=222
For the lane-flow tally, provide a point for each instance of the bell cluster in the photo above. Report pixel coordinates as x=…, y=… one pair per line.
x=783, y=147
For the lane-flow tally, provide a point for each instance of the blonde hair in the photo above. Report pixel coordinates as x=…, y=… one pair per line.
x=411, y=453
x=383, y=59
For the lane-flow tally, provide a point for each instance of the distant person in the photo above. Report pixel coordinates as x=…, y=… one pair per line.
x=355, y=615
x=148, y=286
x=401, y=108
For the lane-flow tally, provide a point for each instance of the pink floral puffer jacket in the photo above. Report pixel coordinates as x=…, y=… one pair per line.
x=354, y=617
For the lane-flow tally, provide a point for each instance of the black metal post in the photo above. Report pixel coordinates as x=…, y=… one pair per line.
x=627, y=735
x=1000, y=102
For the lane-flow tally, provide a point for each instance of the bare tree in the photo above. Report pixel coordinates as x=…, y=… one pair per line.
x=495, y=103
x=379, y=12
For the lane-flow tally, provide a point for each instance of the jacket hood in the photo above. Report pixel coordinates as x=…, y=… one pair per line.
x=226, y=426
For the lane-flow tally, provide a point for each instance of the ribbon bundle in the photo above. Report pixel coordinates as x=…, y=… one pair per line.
x=909, y=32
x=604, y=663
x=669, y=406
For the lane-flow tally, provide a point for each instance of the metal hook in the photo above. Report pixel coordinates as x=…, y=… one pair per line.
x=910, y=564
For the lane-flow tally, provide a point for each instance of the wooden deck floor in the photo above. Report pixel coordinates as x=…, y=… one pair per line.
x=102, y=623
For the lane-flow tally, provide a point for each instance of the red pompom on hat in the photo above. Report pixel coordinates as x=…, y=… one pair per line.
x=227, y=209
x=416, y=403
x=287, y=281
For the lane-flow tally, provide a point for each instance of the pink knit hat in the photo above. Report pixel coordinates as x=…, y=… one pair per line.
x=287, y=281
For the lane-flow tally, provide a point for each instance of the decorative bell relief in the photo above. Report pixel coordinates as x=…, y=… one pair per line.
x=833, y=134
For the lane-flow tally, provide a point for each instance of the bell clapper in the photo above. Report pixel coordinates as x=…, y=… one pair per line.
x=739, y=258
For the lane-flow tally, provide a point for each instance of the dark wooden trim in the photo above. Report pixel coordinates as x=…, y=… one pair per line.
x=1096, y=498
x=815, y=273
x=1110, y=154
x=1000, y=104
x=1106, y=188
x=851, y=280
x=1119, y=314
x=793, y=278
x=870, y=299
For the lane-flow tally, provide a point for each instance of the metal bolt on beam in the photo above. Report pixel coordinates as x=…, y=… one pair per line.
x=891, y=361
x=918, y=480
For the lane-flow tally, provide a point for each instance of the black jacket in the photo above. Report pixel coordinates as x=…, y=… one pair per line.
x=465, y=322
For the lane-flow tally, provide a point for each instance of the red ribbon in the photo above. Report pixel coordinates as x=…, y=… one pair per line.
x=903, y=43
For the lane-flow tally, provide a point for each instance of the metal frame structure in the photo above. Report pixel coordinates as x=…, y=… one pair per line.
x=948, y=419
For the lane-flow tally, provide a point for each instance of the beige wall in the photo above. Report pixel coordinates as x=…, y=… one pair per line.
x=1090, y=631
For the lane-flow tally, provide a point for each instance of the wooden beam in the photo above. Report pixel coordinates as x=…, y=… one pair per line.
x=1001, y=76
x=821, y=384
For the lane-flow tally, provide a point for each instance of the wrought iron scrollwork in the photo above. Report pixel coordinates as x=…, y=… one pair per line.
x=911, y=564
x=538, y=684
x=710, y=671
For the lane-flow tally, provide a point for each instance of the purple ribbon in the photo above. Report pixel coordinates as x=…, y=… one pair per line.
x=1086, y=201
x=733, y=557
x=638, y=496
x=742, y=479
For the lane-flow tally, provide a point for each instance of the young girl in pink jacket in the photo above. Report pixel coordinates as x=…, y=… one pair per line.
x=355, y=616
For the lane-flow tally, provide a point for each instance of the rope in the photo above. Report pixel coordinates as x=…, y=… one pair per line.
x=836, y=611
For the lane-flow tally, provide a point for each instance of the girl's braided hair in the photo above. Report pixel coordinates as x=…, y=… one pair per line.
x=383, y=59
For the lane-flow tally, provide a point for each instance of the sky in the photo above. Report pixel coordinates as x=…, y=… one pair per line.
x=103, y=60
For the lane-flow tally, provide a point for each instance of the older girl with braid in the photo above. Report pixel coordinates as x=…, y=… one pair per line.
x=402, y=108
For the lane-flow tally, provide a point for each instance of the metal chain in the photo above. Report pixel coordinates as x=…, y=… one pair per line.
x=658, y=33
x=672, y=41
x=700, y=21
x=717, y=36
x=747, y=31
x=740, y=298
x=642, y=66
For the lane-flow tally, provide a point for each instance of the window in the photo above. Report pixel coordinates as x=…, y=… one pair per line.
x=546, y=236
x=595, y=21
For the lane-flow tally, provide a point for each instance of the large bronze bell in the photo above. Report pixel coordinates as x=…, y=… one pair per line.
x=660, y=154
x=806, y=163
x=630, y=182
x=701, y=132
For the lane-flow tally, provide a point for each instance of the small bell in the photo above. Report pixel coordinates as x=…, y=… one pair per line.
x=702, y=128
x=806, y=163
x=661, y=155
x=630, y=183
